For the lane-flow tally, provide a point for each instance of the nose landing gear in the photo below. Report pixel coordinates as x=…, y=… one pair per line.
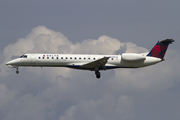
x=17, y=71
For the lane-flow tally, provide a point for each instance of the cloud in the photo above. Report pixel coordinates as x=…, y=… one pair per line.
x=133, y=48
x=108, y=107
x=63, y=93
x=104, y=45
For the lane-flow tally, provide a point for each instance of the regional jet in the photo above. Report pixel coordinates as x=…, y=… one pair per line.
x=93, y=62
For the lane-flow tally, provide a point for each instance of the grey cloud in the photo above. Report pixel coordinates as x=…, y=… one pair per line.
x=7, y=98
x=107, y=107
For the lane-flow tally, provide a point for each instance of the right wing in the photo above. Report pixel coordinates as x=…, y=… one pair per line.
x=97, y=63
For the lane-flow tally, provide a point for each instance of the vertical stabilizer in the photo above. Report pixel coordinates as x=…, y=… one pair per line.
x=160, y=48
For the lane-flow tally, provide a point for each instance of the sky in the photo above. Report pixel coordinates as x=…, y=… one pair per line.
x=89, y=27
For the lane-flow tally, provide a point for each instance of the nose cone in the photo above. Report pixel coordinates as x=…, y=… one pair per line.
x=13, y=62
x=8, y=63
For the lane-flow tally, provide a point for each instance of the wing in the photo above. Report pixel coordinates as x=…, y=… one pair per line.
x=97, y=63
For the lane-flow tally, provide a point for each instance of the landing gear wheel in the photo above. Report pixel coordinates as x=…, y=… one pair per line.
x=98, y=74
x=17, y=71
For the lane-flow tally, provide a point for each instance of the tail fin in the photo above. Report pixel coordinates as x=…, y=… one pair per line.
x=160, y=48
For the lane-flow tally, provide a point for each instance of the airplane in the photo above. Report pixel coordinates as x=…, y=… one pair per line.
x=94, y=62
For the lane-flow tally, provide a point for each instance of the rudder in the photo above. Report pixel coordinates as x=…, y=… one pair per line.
x=160, y=48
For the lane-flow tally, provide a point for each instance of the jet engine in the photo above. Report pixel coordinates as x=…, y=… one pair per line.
x=133, y=57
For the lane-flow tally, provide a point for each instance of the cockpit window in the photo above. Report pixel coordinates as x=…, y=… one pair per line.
x=23, y=56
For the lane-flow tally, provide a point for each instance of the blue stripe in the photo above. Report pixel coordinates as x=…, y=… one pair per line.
x=79, y=67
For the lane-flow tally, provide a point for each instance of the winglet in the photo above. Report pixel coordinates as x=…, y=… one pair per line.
x=160, y=48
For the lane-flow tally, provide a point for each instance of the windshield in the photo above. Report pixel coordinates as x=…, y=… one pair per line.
x=23, y=56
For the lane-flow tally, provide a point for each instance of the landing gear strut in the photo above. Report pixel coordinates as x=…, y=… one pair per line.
x=17, y=71
x=98, y=74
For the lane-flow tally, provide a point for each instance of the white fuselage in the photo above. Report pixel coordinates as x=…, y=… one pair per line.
x=77, y=60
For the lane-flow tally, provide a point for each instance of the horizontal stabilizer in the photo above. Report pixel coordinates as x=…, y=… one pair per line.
x=167, y=41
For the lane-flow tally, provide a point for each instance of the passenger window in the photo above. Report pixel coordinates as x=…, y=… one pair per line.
x=66, y=57
x=75, y=58
x=70, y=57
x=89, y=58
x=56, y=57
x=52, y=57
x=43, y=57
x=112, y=59
x=61, y=57
x=84, y=58
x=39, y=57
x=80, y=58
x=47, y=57
x=94, y=58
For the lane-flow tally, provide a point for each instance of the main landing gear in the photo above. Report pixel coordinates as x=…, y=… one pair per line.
x=17, y=71
x=98, y=74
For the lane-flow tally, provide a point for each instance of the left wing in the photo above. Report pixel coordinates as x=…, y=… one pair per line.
x=97, y=63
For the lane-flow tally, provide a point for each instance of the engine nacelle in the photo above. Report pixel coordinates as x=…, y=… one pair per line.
x=133, y=57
